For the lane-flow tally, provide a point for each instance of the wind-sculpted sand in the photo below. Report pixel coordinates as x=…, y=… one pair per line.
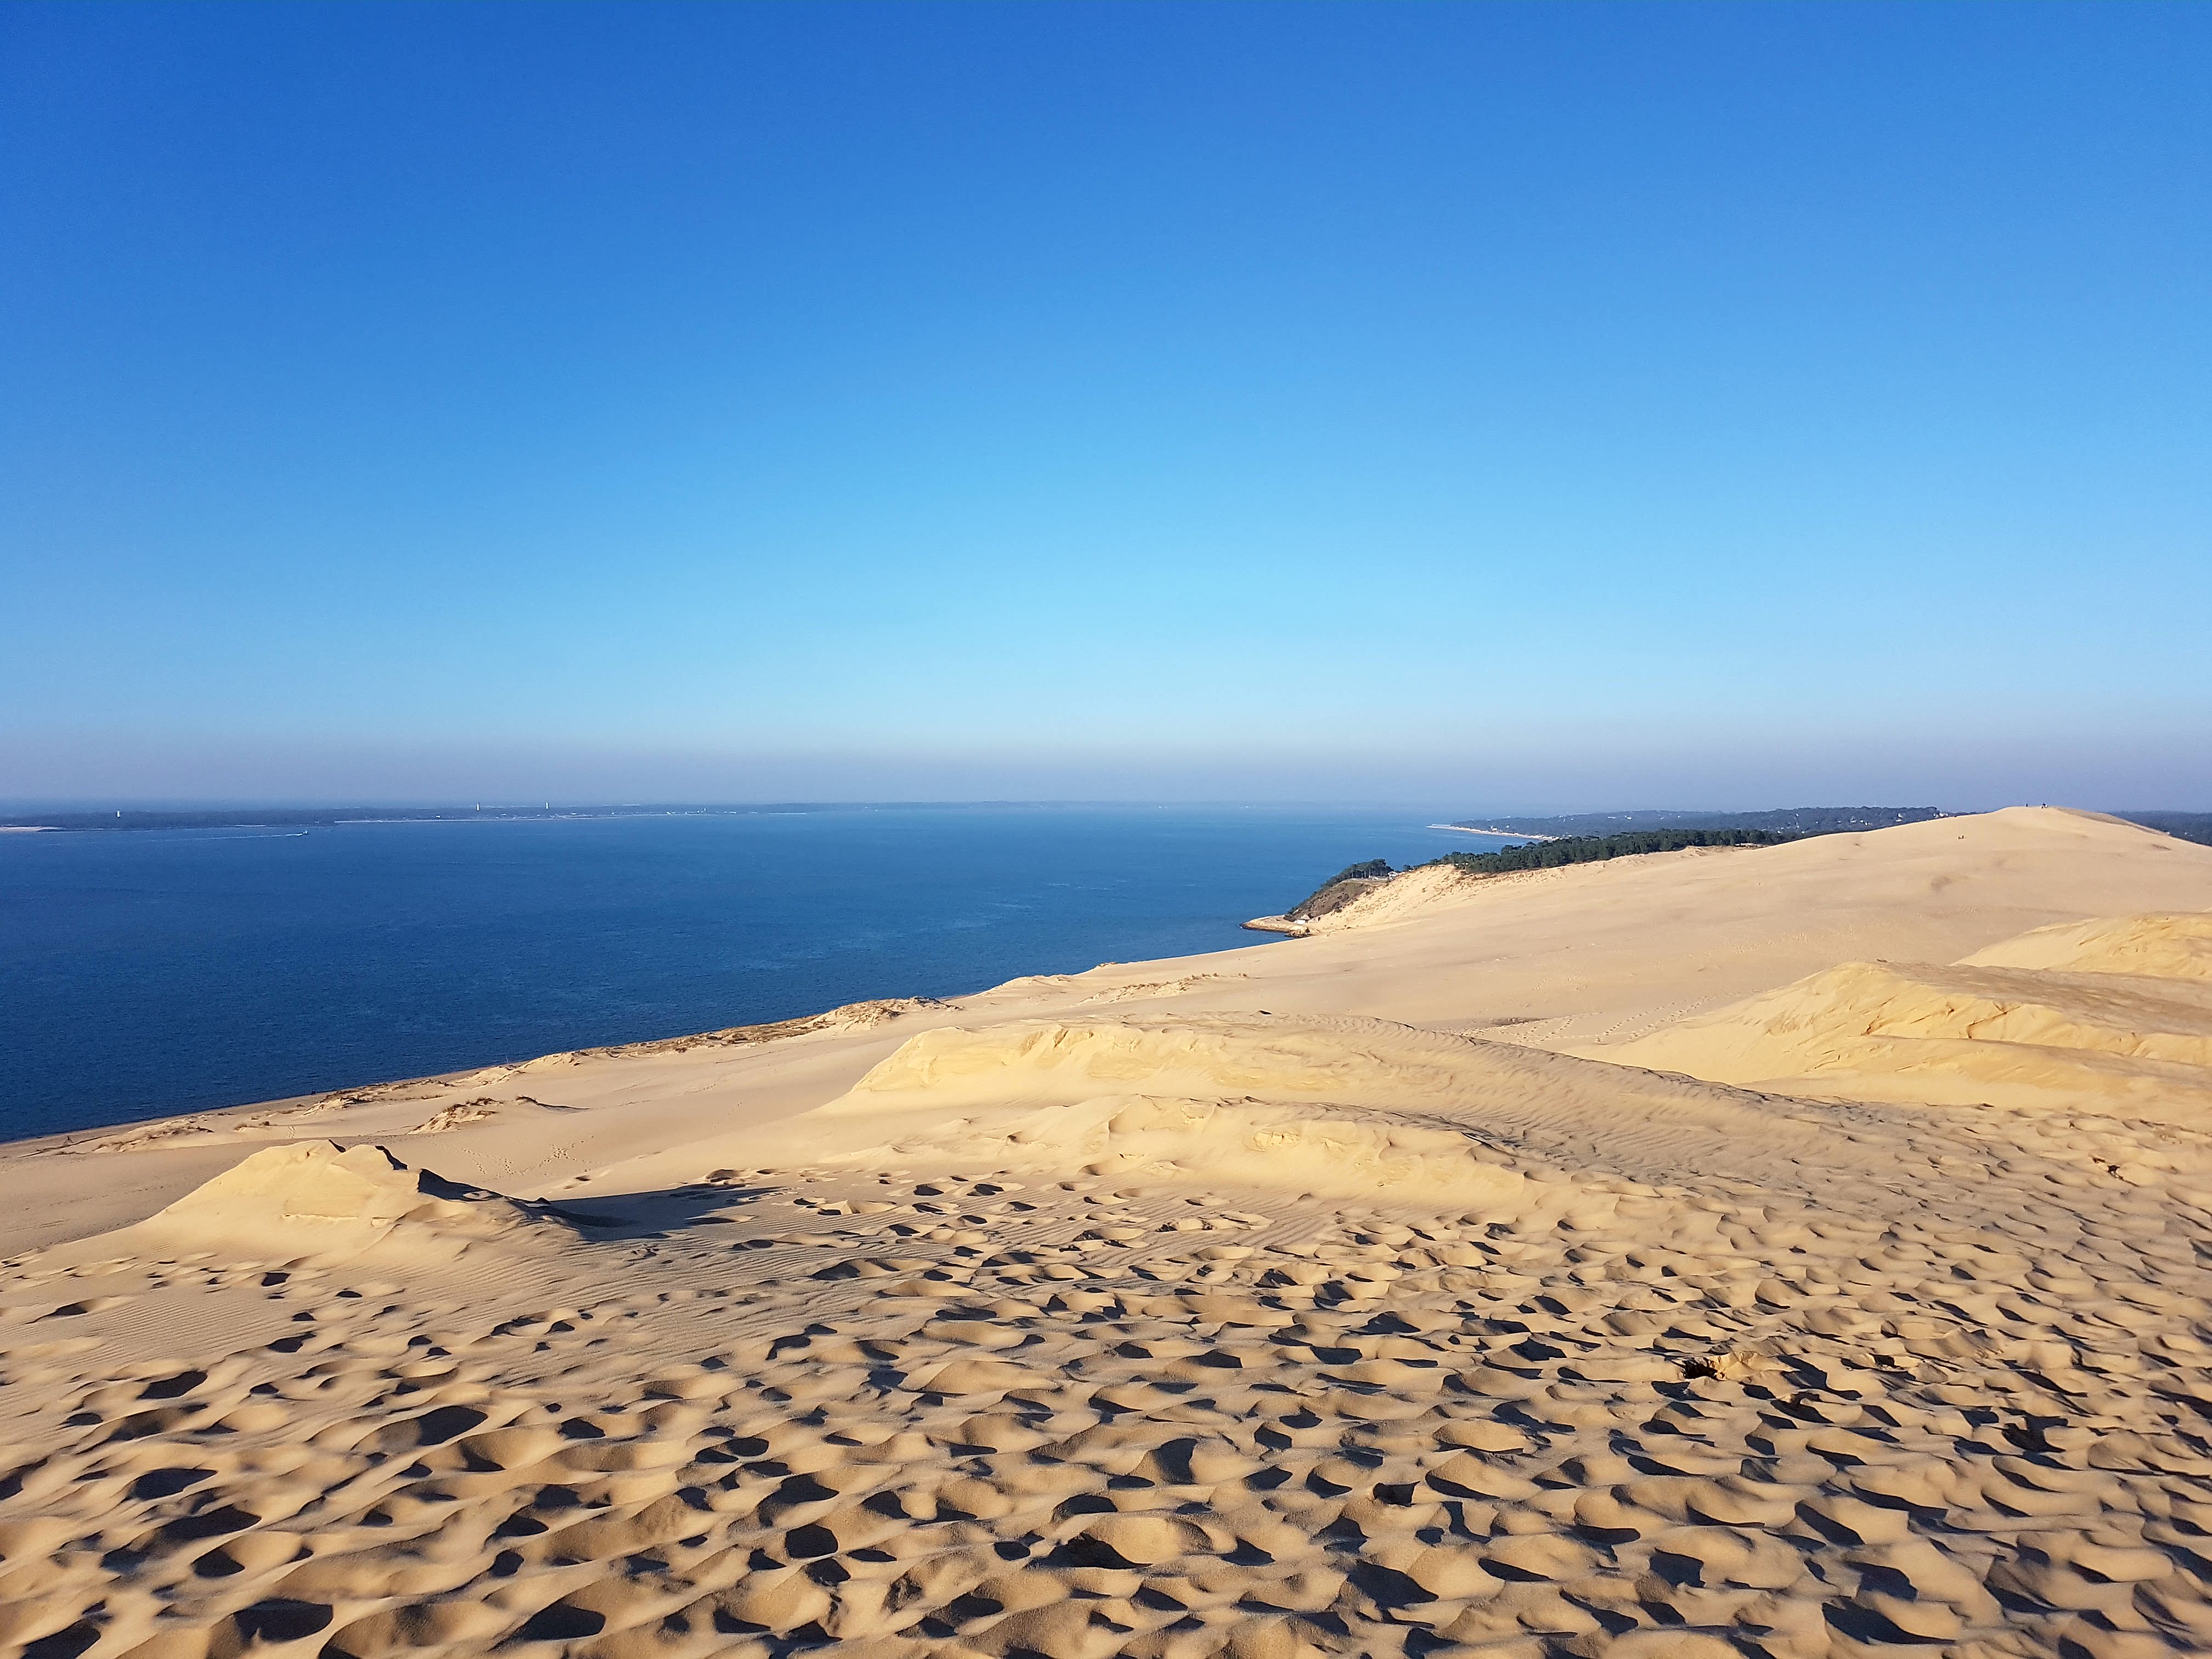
x=2113, y=1015
x=1061, y=1323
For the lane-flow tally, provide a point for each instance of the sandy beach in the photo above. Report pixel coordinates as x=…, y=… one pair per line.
x=1783, y=1250
x=1476, y=829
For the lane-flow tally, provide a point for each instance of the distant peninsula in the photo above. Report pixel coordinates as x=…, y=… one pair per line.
x=1596, y=837
x=1789, y=821
x=1355, y=882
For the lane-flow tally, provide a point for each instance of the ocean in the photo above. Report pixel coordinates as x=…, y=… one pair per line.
x=154, y=971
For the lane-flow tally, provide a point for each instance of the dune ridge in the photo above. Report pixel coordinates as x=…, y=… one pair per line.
x=2155, y=947
x=1301, y=1301
x=2113, y=1014
x=318, y=1201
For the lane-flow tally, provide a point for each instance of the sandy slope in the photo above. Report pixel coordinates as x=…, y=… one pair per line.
x=1254, y=1304
x=2113, y=1015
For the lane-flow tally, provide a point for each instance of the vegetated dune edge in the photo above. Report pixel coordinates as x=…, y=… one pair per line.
x=1301, y=1299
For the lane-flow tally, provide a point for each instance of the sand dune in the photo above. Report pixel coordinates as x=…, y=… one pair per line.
x=2154, y=947
x=1259, y=1306
x=1410, y=893
x=317, y=1201
x=2111, y=1015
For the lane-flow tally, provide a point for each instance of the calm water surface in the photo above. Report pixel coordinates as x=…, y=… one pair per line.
x=155, y=971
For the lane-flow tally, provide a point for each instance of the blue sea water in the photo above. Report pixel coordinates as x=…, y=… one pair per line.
x=146, y=972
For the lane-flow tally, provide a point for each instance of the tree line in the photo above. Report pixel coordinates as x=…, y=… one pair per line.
x=1593, y=849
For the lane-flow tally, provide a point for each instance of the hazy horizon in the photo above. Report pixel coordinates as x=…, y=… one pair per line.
x=1831, y=774
x=1447, y=805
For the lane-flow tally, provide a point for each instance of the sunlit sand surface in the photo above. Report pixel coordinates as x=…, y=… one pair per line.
x=1842, y=1290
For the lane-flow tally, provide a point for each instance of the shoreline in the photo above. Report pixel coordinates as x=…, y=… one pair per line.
x=472, y=1074
x=996, y=880
x=1508, y=835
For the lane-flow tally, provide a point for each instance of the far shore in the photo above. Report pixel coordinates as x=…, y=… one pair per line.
x=1510, y=834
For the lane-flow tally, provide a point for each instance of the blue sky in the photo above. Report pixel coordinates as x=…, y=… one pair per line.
x=1546, y=405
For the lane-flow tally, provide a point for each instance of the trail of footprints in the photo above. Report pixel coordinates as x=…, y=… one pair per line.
x=973, y=1417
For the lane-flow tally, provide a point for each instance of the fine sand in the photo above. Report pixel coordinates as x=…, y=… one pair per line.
x=1779, y=1251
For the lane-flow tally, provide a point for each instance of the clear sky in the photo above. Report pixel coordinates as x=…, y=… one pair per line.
x=1520, y=405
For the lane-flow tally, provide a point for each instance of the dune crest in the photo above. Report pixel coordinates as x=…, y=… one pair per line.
x=1302, y=1105
x=1340, y=1109
x=1306, y=1056
x=318, y=1199
x=2111, y=1015
x=2176, y=946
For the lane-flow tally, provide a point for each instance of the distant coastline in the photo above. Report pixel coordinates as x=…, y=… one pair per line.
x=1477, y=830
x=1788, y=821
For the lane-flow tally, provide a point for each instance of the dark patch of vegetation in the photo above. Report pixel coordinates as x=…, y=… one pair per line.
x=1372, y=870
x=1341, y=889
x=2183, y=826
x=1592, y=849
x=1783, y=821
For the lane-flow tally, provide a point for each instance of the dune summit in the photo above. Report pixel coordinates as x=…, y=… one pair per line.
x=1301, y=1300
x=318, y=1200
